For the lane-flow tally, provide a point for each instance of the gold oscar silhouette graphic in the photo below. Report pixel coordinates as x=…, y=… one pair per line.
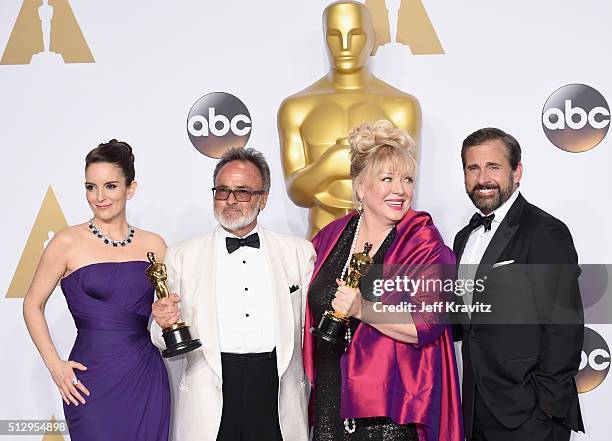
x=46, y=31
x=313, y=124
x=408, y=21
x=50, y=220
x=53, y=435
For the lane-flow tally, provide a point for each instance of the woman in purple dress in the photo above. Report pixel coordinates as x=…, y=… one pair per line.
x=114, y=384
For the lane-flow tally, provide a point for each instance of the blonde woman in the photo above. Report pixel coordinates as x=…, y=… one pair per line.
x=394, y=381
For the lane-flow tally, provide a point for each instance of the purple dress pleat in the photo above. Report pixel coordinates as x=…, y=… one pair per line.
x=130, y=393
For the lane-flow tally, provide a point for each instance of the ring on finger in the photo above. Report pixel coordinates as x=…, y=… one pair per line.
x=75, y=381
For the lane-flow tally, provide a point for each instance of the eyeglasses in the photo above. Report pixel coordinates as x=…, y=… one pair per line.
x=241, y=195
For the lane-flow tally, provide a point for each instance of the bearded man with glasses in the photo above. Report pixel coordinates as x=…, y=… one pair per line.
x=242, y=289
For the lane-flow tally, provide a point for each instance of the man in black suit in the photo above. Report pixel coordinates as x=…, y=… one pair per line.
x=521, y=356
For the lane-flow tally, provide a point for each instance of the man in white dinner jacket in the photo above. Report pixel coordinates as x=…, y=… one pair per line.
x=242, y=291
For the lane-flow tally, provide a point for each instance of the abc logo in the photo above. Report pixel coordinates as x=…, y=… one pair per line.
x=594, y=361
x=217, y=122
x=576, y=118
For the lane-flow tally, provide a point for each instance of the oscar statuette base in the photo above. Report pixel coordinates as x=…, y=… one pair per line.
x=178, y=340
x=332, y=329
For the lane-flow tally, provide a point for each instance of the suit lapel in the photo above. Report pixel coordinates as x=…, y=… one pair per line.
x=458, y=248
x=460, y=241
x=283, y=310
x=498, y=244
x=207, y=303
x=505, y=232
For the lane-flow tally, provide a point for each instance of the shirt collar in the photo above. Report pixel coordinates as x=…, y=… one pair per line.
x=502, y=211
x=223, y=233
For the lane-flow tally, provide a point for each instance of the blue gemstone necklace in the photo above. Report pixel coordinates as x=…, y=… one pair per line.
x=107, y=240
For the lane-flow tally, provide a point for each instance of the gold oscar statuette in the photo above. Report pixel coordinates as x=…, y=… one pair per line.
x=333, y=325
x=313, y=124
x=177, y=337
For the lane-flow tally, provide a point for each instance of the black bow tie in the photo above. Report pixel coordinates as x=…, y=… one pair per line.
x=233, y=243
x=477, y=220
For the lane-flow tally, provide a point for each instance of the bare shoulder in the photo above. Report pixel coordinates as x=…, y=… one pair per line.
x=69, y=236
x=65, y=244
x=150, y=237
x=151, y=241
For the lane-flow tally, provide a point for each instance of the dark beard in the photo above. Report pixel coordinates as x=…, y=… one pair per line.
x=488, y=205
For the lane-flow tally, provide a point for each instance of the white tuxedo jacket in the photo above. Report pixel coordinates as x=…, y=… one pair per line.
x=191, y=274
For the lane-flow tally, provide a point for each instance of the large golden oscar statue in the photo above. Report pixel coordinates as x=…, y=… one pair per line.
x=313, y=124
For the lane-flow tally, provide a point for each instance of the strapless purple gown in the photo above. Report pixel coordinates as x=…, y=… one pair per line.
x=130, y=393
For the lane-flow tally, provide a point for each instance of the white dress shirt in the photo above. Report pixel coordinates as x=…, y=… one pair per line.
x=480, y=239
x=478, y=242
x=244, y=297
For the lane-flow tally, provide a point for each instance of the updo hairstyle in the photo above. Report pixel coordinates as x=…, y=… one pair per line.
x=375, y=145
x=114, y=152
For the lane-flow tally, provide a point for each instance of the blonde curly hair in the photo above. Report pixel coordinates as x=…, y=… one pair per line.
x=375, y=145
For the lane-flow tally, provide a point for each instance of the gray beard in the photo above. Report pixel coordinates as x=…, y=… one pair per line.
x=235, y=224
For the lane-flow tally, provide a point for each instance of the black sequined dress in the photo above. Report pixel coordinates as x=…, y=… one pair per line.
x=329, y=426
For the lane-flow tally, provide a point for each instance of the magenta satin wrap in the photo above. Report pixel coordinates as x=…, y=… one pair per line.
x=385, y=377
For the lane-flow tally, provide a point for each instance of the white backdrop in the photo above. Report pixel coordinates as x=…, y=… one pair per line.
x=154, y=59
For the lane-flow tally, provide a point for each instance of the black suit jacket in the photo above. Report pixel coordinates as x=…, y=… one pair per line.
x=526, y=351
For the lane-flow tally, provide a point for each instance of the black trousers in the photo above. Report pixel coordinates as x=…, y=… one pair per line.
x=250, y=398
x=539, y=427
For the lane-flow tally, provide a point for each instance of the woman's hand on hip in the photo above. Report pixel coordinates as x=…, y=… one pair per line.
x=67, y=381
